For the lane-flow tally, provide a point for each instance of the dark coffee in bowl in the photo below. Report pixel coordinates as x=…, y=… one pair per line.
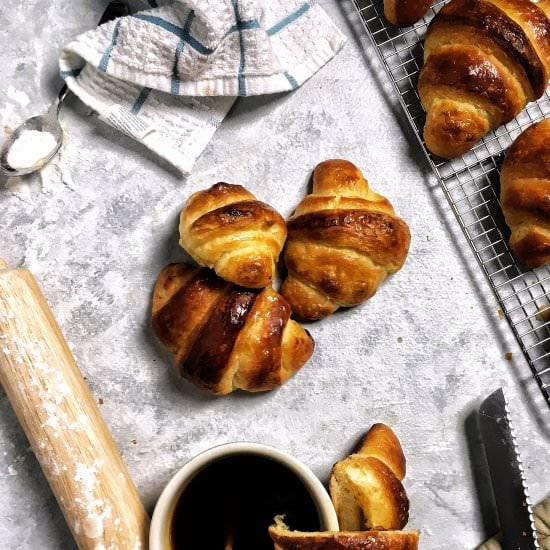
x=231, y=503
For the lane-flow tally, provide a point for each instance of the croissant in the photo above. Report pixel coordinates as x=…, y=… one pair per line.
x=366, y=486
x=225, y=337
x=343, y=241
x=334, y=540
x=525, y=194
x=484, y=60
x=227, y=229
x=404, y=13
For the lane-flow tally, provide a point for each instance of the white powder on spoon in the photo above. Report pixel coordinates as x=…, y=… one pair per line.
x=30, y=148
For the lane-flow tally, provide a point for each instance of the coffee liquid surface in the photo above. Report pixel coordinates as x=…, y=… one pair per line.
x=231, y=503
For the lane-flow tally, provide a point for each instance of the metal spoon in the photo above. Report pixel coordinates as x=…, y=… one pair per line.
x=49, y=122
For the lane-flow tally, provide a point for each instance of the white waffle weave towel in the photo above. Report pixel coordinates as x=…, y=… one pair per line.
x=168, y=75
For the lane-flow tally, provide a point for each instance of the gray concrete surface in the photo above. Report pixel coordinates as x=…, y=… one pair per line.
x=97, y=227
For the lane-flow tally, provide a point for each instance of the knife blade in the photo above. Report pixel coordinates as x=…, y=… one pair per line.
x=507, y=477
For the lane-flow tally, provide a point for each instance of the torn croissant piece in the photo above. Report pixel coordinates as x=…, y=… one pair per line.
x=525, y=195
x=226, y=228
x=484, y=60
x=226, y=337
x=404, y=13
x=366, y=486
x=284, y=539
x=343, y=241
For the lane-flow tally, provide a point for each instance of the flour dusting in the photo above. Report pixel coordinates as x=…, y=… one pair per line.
x=50, y=389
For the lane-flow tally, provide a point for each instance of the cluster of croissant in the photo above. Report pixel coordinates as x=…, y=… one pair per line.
x=369, y=499
x=226, y=326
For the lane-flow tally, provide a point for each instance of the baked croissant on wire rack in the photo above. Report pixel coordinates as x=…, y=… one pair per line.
x=405, y=12
x=228, y=229
x=343, y=241
x=525, y=195
x=484, y=60
x=225, y=337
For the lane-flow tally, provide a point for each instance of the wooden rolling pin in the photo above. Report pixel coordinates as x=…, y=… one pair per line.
x=63, y=423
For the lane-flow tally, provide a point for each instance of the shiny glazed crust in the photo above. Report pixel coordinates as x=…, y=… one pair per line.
x=366, y=486
x=225, y=337
x=405, y=12
x=343, y=241
x=382, y=443
x=484, y=60
x=360, y=540
x=525, y=195
x=227, y=229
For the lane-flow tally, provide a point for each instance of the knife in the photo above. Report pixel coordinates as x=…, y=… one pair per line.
x=513, y=505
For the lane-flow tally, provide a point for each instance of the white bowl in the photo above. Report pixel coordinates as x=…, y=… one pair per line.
x=159, y=536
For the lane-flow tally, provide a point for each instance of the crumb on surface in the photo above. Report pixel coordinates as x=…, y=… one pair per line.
x=134, y=441
x=508, y=356
x=543, y=314
x=399, y=339
x=500, y=313
x=100, y=401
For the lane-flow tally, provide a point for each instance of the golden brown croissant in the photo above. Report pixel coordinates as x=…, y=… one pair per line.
x=366, y=486
x=227, y=229
x=484, y=60
x=343, y=241
x=525, y=194
x=405, y=12
x=226, y=337
x=334, y=540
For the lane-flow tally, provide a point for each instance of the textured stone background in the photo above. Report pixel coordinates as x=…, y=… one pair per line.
x=97, y=227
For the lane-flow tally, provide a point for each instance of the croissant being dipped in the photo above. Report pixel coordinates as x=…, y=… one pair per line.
x=343, y=241
x=369, y=499
x=484, y=60
x=226, y=337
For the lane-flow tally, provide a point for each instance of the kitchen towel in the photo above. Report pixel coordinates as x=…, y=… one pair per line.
x=168, y=75
x=542, y=527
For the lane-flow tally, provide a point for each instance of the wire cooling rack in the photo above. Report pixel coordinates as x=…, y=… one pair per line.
x=471, y=185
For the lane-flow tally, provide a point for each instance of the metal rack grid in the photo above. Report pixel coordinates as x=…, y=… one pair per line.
x=471, y=186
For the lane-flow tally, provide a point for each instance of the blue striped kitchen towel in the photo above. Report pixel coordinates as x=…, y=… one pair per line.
x=168, y=75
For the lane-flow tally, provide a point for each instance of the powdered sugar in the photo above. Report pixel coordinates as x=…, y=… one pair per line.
x=31, y=149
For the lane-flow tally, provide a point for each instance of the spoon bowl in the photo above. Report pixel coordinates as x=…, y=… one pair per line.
x=48, y=122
